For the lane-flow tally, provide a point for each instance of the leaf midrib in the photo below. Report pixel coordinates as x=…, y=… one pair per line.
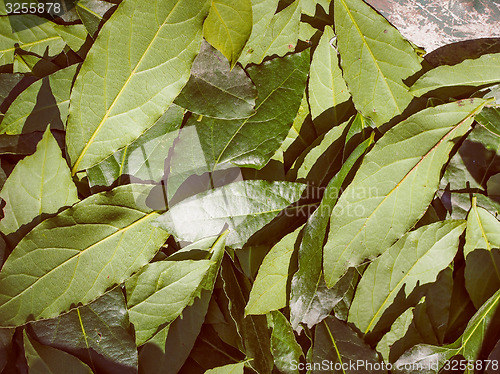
x=77, y=255
x=371, y=53
x=471, y=114
x=115, y=100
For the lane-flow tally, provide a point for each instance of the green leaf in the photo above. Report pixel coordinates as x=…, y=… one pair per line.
x=87, y=249
x=340, y=347
x=278, y=37
x=253, y=330
x=483, y=230
x=245, y=207
x=129, y=78
x=309, y=6
x=159, y=292
x=252, y=141
x=145, y=157
x=32, y=34
x=43, y=359
x=417, y=258
x=216, y=91
x=186, y=327
x=375, y=60
x=228, y=369
x=73, y=35
x=228, y=27
x=477, y=72
x=432, y=358
x=44, y=103
x=91, y=12
x=327, y=87
x=310, y=299
x=39, y=184
x=397, y=332
x=402, y=170
x=269, y=291
x=99, y=334
x=285, y=348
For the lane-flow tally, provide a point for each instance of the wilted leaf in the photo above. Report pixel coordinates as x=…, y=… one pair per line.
x=244, y=207
x=43, y=103
x=87, y=248
x=402, y=170
x=159, y=292
x=125, y=93
x=216, y=91
x=375, y=59
x=39, y=184
x=228, y=26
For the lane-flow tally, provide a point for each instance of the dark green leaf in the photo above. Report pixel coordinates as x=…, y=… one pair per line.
x=285, y=348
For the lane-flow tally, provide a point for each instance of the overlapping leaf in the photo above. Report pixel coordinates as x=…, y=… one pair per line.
x=228, y=27
x=88, y=248
x=478, y=72
x=159, y=292
x=43, y=103
x=125, y=93
x=39, y=184
x=375, y=60
x=417, y=258
x=244, y=207
x=402, y=170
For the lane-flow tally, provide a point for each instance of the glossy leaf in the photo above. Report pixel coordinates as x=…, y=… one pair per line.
x=43, y=103
x=159, y=292
x=375, y=60
x=285, y=348
x=125, y=93
x=279, y=36
x=402, y=169
x=99, y=334
x=326, y=93
x=337, y=344
x=43, y=359
x=432, y=358
x=216, y=91
x=39, y=184
x=244, y=207
x=417, y=258
x=310, y=299
x=32, y=34
x=269, y=291
x=478, y=72
x=88, y=248
x=228, y=27
x=145, y=157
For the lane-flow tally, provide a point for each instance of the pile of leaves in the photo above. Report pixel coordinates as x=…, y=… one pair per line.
x=234, y=186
